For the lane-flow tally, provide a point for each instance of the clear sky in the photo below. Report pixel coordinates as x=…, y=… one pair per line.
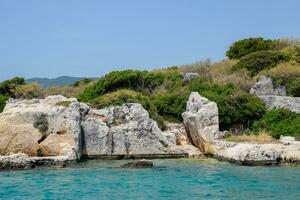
x=50, y=38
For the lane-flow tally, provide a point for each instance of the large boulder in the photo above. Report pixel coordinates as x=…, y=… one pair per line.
x=42, y=127
x=274, y=97
x=125, y=131
x=201, y=121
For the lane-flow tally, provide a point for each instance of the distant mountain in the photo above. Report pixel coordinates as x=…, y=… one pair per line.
x=59, y=81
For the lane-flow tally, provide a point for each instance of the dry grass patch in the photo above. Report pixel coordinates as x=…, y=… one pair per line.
x=283, y=70
x=260, y=138
x=222, y=73
x=201, y=67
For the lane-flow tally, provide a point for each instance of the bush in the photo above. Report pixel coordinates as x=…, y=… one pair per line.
x=293, y=87
x=250, y=45
x=171, y=106
x=41, y=123
x=258, y=61
x=8, y=88
x=3, y=100
x=29, y=91
x=279, y=122
x=128, y=96
x=236, y=108
x=239, y=110
x=127, y=79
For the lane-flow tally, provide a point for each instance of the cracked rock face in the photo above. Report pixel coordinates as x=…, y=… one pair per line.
x=124, y=130
x=42, y=127
x=201, y=121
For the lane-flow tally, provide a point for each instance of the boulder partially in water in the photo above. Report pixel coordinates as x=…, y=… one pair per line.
x=138, y=164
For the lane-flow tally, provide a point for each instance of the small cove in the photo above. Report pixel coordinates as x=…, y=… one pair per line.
x=169, y=179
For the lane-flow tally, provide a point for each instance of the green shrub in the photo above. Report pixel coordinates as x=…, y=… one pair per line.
x=8, y=87
x=293, y=87
x=279, y=122
x=239, y=110
x=41, y=123
x=171, y=106
x=127, y=79
x=258, y=61
x=3, y=100
x=250, y=45
x=236, y=108
x=128, y=96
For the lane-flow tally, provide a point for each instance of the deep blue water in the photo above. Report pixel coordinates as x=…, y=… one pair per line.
x=169, y=179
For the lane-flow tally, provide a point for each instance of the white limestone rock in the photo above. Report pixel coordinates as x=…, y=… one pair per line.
x=274, y=97
x=265, y=86
x=125, y=130
x=257, y=154
x=201, y=121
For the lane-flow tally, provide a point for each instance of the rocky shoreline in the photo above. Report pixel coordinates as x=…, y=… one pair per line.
x=57, y=131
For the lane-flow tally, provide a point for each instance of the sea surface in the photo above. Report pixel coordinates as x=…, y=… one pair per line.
x=169, y=179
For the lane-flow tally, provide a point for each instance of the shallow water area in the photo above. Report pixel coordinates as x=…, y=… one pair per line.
x=169, y=179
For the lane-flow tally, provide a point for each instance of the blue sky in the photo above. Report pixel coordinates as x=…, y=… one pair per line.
x=49, y=38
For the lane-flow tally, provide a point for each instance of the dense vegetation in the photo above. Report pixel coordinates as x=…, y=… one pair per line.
x=258, y=61
x=164, y=93
x=246, y=46
x=279, y=122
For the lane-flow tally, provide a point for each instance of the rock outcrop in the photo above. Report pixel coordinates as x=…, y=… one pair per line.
x=275, y=97
x=42, y=127
x=265, y=87
x=189, y=76
x=177, y=135
x=201, y=121
x=257, y=154
x=125, y=131
x=62, y=130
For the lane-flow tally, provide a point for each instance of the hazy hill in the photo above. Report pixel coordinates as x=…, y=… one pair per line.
x=59, y=81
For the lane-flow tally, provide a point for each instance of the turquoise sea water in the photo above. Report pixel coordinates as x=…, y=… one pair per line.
x=169, y=179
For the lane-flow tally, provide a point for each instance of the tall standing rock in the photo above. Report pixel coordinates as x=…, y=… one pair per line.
x=201, y=121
